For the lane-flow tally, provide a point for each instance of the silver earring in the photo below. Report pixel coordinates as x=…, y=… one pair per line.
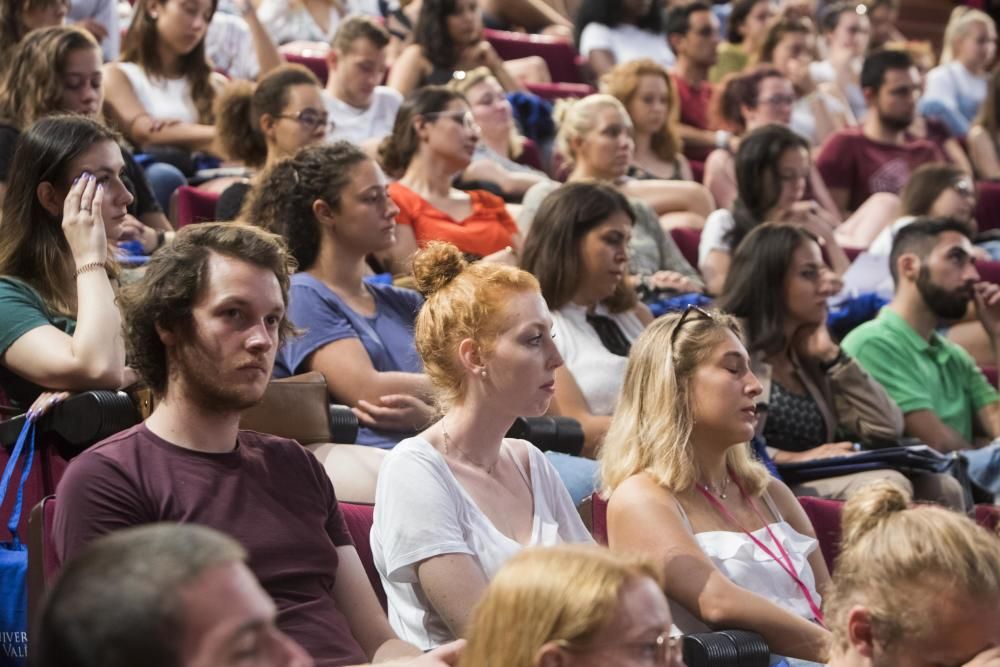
x=483, y=372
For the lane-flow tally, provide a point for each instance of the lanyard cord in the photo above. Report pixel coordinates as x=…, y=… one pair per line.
x=785, y=563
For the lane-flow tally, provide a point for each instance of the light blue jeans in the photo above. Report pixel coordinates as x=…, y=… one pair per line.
x=984, y=466
x=577, y=473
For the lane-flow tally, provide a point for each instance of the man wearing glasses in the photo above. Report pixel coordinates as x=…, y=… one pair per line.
x=880, y=155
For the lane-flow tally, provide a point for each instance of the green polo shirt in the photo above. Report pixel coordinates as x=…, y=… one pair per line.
x=918, y=374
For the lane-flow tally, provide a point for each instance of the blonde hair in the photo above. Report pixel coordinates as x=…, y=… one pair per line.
x=623, y=81
x=959, y=23
x=574, y=118
x=469, y=80
x=565, y=594
x=651, y=427
x=897, y=561
x=463, y=301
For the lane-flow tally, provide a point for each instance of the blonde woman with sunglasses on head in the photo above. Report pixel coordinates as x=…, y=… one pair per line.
x=735, y=547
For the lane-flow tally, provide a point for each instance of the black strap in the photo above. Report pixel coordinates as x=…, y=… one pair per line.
x=610, y=334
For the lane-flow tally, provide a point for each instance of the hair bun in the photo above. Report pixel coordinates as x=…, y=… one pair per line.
x=437, y=265
x=869, y=507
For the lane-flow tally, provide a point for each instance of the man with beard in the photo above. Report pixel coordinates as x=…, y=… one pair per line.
x=880, y=155
x=945, y=398
x=203, y=326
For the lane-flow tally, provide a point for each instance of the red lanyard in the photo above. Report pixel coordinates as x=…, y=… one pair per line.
x=785, y=562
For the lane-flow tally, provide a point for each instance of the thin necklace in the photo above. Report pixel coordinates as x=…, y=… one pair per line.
x=449, y=445
x=719, y=490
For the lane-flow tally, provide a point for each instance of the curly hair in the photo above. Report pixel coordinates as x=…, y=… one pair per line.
x=242, y=104
x=282, y=202
x=140, y=47
x=32, y=85
x=176, y=275
x=623, y=81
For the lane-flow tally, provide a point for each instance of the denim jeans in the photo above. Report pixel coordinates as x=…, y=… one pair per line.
x=984, y=466
x=577, y=473
x=164, y=179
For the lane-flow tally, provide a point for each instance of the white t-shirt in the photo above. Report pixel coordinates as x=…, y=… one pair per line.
x=169, y=99
x=713, y=234
x=956, y=88
x=626, y=42
x=422, y=511
x=598, y=372
x=870, y=271
x=359, y=125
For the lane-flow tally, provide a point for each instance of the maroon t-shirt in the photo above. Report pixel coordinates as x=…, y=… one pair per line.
x=694, y=101
x=270, y=494
x=851, y=161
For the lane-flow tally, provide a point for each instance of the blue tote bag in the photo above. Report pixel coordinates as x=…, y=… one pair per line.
x=14, y=561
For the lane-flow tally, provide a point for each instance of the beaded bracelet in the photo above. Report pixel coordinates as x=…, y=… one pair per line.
x=92, y=266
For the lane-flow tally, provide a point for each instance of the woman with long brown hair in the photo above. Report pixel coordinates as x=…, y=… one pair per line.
x=162, y=90
x=59, y=325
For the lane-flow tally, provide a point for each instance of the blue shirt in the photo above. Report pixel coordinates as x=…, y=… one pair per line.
x=325, y=319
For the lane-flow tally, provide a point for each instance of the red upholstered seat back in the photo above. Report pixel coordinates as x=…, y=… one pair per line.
x=194, y=205
x=687, y=241
x=825, y=517
x=43, y=563
x=559, y=55
x=599, y=526
x=359, y=519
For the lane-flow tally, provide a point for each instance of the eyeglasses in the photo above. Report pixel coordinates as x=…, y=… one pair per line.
x=663, y=650
x=965, y=188
x=309, y=119
x=778, y=101
x=707, y=31
x=463, y=118
x=701, y=314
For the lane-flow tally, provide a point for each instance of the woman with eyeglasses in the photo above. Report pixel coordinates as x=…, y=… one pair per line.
x=764, y=96
x=816, y=401
x=936, y=190
x=573, y=606
x=735, y=547
x=914, y=585
x=260, y=124
x=578, y=250
x=790, y=46
x=432, y=142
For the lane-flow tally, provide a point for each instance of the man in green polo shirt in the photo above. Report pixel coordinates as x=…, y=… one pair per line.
x=945, y=398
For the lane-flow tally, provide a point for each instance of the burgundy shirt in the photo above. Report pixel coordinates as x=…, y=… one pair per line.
x=269, y=494
x=851, y=161
x=694, y=101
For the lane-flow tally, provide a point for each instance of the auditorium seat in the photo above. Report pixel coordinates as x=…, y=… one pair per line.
x=359, y=519
x=558, y=91
x=43, y=563
x=687, y=241
x=825, y=518
x=561, y=57
x=194, y=205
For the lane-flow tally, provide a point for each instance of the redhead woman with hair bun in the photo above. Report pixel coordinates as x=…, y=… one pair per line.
x=459, y=499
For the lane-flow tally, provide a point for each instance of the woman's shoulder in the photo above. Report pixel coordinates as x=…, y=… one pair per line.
x=639, y=492
x=487, y=201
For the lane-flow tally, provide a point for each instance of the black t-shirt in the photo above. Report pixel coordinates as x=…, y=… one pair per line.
x=135, y=179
